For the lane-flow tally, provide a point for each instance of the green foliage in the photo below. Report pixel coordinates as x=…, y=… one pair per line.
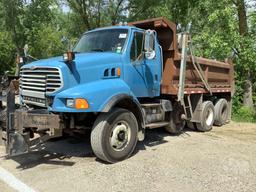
x=145, y=9
x=245, y=114
x=7, y=53
x=46, y=47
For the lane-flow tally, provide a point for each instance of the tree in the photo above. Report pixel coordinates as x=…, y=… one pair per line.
x=245, y=42
x=13, y=15
x=42, y=31
x=95, y=13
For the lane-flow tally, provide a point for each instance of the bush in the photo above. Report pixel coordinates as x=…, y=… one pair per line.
x=245, y=114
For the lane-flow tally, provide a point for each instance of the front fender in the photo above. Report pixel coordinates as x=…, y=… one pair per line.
x=97, y=93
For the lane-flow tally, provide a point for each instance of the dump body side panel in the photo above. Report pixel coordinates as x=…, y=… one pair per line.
x=219, y=75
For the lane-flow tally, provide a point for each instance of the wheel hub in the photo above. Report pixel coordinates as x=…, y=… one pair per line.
x=209, y=117
x=120, y=136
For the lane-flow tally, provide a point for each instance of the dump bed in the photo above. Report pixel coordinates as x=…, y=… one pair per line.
x=219, y=75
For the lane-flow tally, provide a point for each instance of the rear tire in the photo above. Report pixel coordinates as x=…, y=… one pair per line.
x=176, y=123
x=114, y=135
x=221, y=112
x=207, y=117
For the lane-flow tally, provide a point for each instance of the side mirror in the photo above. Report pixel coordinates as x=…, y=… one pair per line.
x=149, y=44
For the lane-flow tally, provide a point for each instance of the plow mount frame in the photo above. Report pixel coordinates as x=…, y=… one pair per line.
x=25, y=129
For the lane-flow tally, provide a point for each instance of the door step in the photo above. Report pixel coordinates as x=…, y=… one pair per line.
x=150, y=104
x=156, y=125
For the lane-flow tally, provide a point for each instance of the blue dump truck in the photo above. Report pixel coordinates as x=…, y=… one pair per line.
x=117, y=82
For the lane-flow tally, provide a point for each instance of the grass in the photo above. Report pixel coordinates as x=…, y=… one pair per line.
x=245, y=114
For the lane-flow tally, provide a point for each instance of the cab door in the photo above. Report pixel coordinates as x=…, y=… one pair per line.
x=143, y=73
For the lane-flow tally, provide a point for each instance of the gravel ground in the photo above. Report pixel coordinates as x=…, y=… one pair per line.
x=221, y=160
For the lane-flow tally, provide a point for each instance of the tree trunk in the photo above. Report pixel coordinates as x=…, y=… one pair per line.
x=243, y=26
x=243, y=30
x=248, y=101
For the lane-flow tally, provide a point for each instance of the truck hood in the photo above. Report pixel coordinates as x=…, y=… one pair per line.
x=81, y=60
x=87, y=67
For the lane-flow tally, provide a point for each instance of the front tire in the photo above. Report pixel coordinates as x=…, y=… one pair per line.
x=114, y=135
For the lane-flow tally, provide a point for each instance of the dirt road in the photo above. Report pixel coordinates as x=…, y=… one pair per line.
x=221, y=160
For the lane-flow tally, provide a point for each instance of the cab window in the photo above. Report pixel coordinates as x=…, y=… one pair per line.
x=137, y=46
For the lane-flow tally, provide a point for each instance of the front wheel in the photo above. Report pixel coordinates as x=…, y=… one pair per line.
x=114, y=135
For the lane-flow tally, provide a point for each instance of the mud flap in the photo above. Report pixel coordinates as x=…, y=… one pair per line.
x=17, y=145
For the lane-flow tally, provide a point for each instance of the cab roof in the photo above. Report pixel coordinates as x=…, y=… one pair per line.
x=114, y=27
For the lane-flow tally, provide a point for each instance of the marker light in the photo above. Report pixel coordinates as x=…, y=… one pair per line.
x=81, y=104
x=19, y=60
x=68, y=56
x=118, y=72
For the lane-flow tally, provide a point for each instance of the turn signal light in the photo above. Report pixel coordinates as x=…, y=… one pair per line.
x=81, y=104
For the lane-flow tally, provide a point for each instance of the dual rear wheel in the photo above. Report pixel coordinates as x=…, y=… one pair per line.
x=211, y=115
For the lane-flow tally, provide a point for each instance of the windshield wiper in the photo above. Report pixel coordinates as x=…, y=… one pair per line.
x=97, y=50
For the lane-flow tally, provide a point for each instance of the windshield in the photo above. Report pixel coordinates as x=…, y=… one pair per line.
x=107, y=40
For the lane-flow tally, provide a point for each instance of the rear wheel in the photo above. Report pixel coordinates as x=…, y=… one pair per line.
x=206, y=116
x=221, y=112
x=176, y=123
x=114, y=135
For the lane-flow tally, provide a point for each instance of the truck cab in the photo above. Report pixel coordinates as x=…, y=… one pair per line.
x=108, y=62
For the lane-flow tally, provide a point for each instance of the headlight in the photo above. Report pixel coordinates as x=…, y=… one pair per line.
x=70, y=103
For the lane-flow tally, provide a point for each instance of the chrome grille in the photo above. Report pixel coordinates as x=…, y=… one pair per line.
x=36, y=82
